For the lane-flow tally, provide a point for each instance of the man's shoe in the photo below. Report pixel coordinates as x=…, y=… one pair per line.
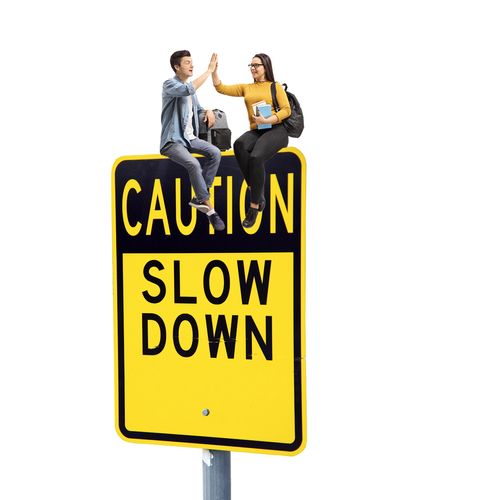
x=199, y=205
x=216, y=222
x=250, y=218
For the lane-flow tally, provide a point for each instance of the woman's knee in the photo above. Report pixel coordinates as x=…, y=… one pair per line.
x=255, y=159
x=246, y=141
x=238, y=144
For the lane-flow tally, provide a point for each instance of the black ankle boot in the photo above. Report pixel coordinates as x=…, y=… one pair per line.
x=250, y=218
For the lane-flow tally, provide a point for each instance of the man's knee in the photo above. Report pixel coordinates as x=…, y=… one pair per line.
x=209, y=151
x=191, y=164
x=214, y=153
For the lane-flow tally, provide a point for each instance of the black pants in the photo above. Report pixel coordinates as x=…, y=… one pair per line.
x=252, y=150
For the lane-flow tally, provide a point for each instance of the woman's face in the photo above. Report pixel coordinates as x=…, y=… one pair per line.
x=257, y=70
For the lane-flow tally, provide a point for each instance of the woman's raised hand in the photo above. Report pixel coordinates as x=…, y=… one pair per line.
x=213, y=63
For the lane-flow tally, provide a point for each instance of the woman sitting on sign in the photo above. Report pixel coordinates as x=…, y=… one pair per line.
x=267, y=134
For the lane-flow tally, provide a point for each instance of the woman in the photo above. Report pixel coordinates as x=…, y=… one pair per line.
x=256, y=146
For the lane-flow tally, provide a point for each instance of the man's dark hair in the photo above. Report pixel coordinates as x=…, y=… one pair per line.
x=268, y=66
x=175, y=58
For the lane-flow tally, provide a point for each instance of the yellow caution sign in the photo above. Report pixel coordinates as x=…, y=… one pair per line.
x=209, y=327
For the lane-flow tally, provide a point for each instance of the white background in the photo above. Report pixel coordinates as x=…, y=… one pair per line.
x=402, y=111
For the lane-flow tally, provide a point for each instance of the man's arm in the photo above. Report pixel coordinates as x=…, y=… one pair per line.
x=198, y=82
x=209, y=118
x=207, y=115
x=175, y=88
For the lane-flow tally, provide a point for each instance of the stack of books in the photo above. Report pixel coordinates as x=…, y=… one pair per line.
x=263, y=109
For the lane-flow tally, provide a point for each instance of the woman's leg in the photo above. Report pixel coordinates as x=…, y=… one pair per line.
x=242, y=148
x=267, y=145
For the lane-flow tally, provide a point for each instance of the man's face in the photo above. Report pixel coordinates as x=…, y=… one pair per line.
x=185, y=69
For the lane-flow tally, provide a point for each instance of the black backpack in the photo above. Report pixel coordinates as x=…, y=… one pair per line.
x=294, y=124
x=220, y=134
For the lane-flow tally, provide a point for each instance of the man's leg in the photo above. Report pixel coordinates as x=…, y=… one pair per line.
x=210, y=166
x=212, y=160
x=180, y=154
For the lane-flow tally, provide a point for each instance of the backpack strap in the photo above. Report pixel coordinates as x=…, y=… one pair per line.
x=273, y=96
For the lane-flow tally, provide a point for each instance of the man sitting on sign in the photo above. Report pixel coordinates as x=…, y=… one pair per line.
x=180, y=117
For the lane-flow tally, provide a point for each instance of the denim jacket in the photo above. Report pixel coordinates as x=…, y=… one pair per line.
x=175, y=111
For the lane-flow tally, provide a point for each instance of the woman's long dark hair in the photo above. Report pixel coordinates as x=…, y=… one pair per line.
x=268, y=66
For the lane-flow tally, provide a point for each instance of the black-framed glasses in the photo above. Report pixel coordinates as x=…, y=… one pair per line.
x=255, y=66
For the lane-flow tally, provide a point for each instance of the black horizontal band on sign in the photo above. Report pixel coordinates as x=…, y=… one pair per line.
x=145, y=171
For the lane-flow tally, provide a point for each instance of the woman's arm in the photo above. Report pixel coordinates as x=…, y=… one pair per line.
x=232, y=90
x=215, y=76
x=285, y=110
x=273, y=119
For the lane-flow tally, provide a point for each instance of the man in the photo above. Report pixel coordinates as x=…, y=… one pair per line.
x=180, y=117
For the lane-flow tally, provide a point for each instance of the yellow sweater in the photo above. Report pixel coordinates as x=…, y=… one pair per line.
x=255, y=92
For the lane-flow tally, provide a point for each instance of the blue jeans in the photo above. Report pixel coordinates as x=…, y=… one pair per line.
x=201, y=177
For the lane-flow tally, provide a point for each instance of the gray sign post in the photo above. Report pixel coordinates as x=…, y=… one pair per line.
x=216, y=475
